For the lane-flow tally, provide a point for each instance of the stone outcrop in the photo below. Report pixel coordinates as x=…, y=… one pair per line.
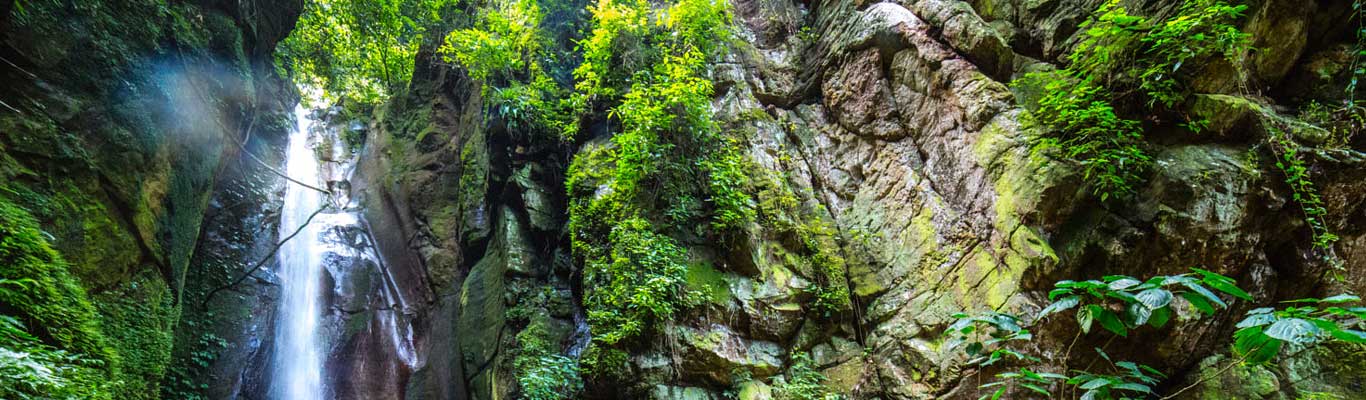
x=895, y=123
x=113, y=136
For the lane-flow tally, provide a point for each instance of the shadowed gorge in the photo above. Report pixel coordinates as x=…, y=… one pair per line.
x=682, y=199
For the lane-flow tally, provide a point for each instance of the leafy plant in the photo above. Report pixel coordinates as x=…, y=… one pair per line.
x=1025, y=378
x=510, y=55
x=1134, y=382
x=638, y=285
x=1305, y=322
x=1302, y=190
x=357, y=51
x=803, y=382
x=1144, y=302
x=1123, y=53
x=648, y=66
x=1343, y=122
x=32, y=370
x=549, y=377
x=505, y=40
x=1201, y=29
x=1109, y=147
x=984, y=337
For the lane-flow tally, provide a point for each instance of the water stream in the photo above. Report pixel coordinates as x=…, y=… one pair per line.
x=299, y=374
x=344, y=327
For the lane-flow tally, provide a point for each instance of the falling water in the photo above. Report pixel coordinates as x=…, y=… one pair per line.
x=299, y=374
x=330, y=275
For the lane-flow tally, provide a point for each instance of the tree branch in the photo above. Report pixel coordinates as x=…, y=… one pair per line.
x=263, y=260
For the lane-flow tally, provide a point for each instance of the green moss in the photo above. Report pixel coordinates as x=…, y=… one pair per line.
x=709, y=283
x=36, y=286
x=139, y=319
x=1122, y=53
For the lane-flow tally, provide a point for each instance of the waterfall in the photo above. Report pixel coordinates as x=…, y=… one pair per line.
x=343, y=329
x=300, y=361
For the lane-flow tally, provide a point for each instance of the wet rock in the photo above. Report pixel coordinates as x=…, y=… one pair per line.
x=663, y=392
x=714, y=353
x=755, y=390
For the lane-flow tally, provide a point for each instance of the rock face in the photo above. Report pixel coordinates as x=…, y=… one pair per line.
x=113, y=137
x=896, y=124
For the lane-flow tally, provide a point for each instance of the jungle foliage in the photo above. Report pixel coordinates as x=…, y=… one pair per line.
x=509, y=51
x=1121, y=304
x=649, y=67
x=51, y=345
x=1127, y=66
x=357, y=51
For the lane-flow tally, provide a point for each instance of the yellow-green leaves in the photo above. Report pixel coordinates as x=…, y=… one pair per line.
x=1086, y=106
x=358, y=51
x=648, y=67
x=506, y=39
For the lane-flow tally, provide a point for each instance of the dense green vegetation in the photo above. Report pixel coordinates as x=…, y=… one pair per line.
x=357, y=51
x=508, y=50
x=649, y=67
x=50, y=339
x=656, y=188
x=991, y=338
x=1127, y=66
x=803, y=382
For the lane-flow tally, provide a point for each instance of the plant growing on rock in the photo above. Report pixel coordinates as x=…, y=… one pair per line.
x=1303, y=323
x=1120, y=303
x=665, y=140
x=542, y=372
x=803, y=382
x=1303, y=192
x=1144, y=302
x=1085, y=103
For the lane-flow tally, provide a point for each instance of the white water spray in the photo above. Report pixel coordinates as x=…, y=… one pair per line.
x=300, y=361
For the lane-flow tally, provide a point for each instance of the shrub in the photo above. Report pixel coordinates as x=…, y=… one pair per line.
x=71, y=360
x=803, y=382
x=542, y=373
x=1122, y=53
x=637, y=286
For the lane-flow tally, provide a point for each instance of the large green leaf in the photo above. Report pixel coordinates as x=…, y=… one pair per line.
x=1199, y=302
x=1255, y=346
x=1222, y=283
x=1350, y=336
x=1095, y=383
x=1124, y=283
x=1111, y=322
x=1208, y=295
x=1256, y=320
x=1086, y=316
x=1133, y=387
x=1035, y=388
x=1293, y=330
x=1155, y=298
x=1342, y=298
x=1160, y=317
x=1138, y=314
x=1062, y=304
